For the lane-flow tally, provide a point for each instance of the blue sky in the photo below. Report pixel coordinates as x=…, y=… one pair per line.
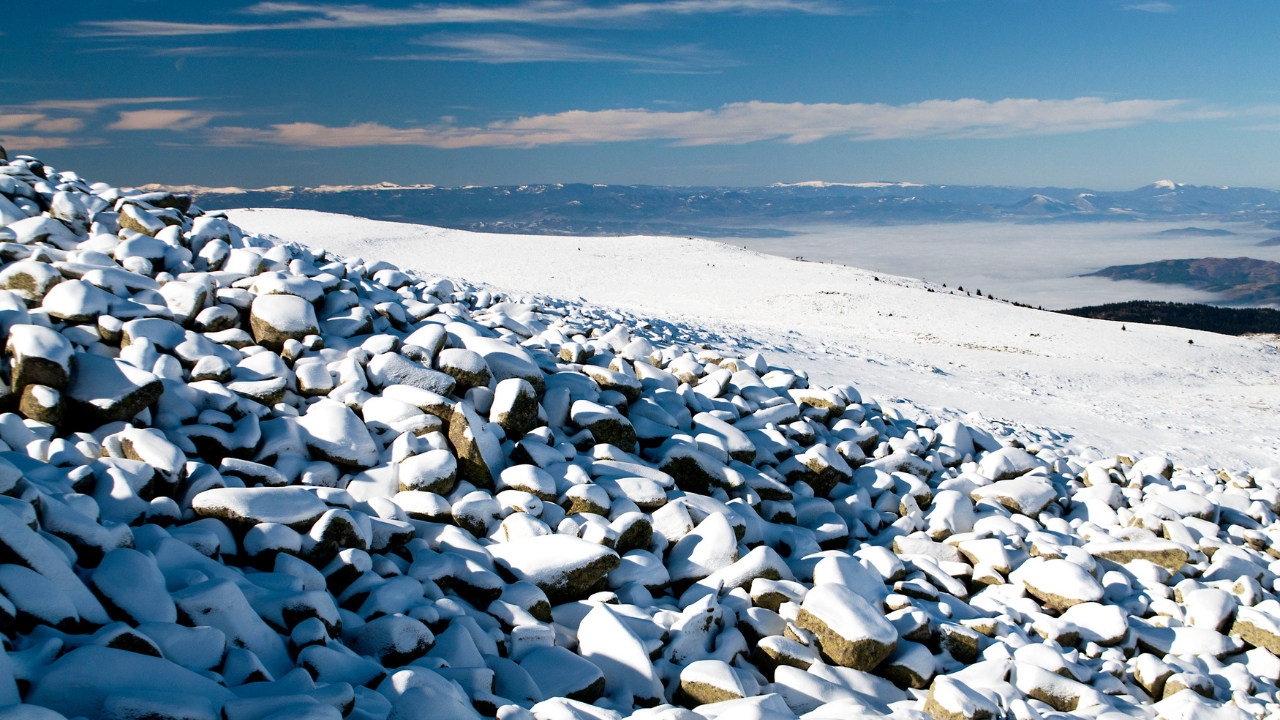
x=1109, y=95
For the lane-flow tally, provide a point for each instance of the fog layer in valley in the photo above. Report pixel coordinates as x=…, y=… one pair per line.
x=1035, y=264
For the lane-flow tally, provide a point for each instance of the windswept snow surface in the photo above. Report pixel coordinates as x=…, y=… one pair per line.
x=1198, y=397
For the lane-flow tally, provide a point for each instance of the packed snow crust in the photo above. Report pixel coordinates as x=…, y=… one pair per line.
x=248, y=479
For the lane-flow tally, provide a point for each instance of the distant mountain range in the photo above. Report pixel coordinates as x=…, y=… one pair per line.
x=580, y=209
x=1196, y=232
x=1238, y=281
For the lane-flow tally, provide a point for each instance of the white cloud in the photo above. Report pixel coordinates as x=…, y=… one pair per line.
x=1153, y=7
x=40, y=123
x=530, y=12
x=746, y=122
x=37, y=142
x=95, y=104
x=60, y=125
x=501, y=48
x=13, y=121
x=161, y=119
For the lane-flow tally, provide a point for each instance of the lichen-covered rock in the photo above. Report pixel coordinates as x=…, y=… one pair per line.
x=953, y=700
x=515, y=407
x=277, y=318
x=478, y=452
x=467, y=368
x=606, y=424
x=31, y=280
x=850, y=632
x=563, y=567
x=38, y=356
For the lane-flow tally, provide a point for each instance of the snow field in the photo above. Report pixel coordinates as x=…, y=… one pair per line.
x=904, y=342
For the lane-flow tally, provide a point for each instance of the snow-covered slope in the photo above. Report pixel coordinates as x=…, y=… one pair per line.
x=1201, y=398
x=261, y=481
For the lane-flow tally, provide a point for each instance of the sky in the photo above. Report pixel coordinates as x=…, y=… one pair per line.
x=1110, y=94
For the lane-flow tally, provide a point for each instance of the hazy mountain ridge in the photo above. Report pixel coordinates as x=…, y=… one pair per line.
x=727, y=211
x=1238, y=280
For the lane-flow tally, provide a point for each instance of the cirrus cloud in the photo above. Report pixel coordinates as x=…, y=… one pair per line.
x=40, y=142
x=161, y=119
x=1153, y=7
x=746, y=122
x=504, y=48
x=531, y=12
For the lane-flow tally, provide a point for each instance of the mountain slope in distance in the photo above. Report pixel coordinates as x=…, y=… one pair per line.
x=721, y=211
x=1196, y=232
x=1238, y=280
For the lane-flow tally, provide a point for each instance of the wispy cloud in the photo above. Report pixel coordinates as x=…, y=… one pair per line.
x=1153, y=7
x=40, y=123
x=529, y=12
x=197, y=51
x=501, y=48
x=13, y=121
x=37, y=142
x=161, y=119
x=60, y=125
x=746, y=122
x=55, y=120
x=96, y=104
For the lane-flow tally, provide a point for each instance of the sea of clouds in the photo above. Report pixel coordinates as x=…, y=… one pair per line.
x=1037, y=264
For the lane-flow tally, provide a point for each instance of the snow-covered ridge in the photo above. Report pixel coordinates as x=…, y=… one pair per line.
x=824, y=184
x=250, y=479
x=200, y=190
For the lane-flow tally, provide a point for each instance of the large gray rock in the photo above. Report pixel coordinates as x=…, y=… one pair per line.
x=38, y=356
x=390, y=368
x=560, y=673
x=336, y=434
x=21, y=545
x=467, y=367
x=80, y=682
x=479, y=453
x=133, y=588
x=277, y=318
x=244, y=507
x=515, y=407
x=606, y=424
x=76, y=301
x=104, y=390
x=850, y=632
x=30, y=280
x=564, y=567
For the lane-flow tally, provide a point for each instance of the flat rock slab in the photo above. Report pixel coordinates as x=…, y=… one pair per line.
x=291, y=506
x=104, y=390
x=1169, y=555
x=1060, y=584
x=564, y=567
